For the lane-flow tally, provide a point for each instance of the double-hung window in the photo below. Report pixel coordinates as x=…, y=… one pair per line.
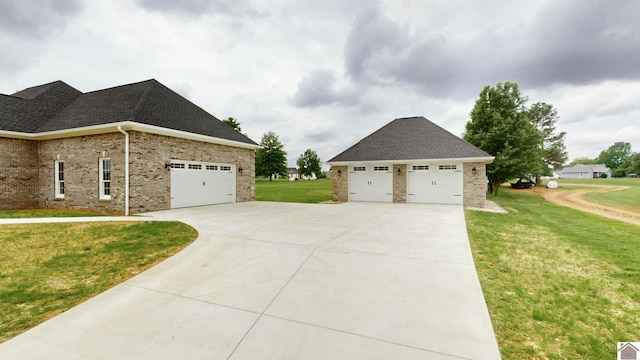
x=59, y=182
x=105, y=179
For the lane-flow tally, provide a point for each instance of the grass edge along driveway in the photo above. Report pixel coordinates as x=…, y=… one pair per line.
x=49, y=268
x=559, y=283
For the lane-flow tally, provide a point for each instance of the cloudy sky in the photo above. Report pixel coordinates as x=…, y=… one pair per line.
x=324, y=74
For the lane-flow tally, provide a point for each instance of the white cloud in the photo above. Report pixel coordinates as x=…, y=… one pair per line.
x=323, y=75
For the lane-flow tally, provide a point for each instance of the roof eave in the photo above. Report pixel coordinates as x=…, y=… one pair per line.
x=125, y=125
x=486, y=159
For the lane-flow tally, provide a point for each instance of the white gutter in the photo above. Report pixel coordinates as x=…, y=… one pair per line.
x=414, y=161
x=126, y=170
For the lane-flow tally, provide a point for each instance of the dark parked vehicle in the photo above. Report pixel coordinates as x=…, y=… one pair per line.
x=523, y=183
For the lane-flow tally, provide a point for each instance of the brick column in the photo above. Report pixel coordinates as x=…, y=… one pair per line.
x=475, y=185
x=340, y=183
x=400, y=183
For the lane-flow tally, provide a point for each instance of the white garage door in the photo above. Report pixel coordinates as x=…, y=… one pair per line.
x=371, y=183
x=200, y=183
x=435, y=183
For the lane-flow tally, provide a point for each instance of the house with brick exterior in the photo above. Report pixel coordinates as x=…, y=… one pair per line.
x=411, y=160
x=127, y=149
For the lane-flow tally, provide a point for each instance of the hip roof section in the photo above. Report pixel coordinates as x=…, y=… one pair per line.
x=57, y=107
x=411, y=138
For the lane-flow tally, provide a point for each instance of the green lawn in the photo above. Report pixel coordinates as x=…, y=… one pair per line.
x=302, y=191
x=49, y=268
x=627, y=199
x=559, y=283
x=38, y=213
x=607, y=182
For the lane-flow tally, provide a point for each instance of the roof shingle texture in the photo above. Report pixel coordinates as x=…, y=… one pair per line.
x=413, y=138
x=57, y=106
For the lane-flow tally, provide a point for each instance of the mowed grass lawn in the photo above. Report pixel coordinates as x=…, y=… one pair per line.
x=559, y=283
x=49, y=268
x=44, y=213
x=302, y=191
x=625, y=199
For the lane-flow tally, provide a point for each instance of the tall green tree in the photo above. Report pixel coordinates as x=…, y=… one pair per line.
x=583, y=161
x=634, y=165
x=309, y=163
x=554, y=153
x=233, y=123
x=500, y=126
x=617, y=157
x=271, y=159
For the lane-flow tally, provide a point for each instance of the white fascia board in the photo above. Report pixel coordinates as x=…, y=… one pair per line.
x=414, y=161
x=127, y=126
x=190, y=136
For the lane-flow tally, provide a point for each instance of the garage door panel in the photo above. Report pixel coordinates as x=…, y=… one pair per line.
x=435, y=183
x=371, y=183
x=200, y=183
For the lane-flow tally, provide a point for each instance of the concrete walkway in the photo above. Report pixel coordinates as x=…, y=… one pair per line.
x=289, y=281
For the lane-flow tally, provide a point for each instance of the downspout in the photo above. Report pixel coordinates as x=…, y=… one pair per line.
x=126, y=170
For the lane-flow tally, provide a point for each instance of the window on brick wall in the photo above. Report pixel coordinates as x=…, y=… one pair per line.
x=105, y=179
x=59, y=179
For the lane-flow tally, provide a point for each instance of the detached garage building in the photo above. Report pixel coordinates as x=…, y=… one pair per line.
x=411, y=160
x=127, y=149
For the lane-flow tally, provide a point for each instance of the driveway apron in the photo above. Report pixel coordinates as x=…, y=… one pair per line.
x=289, y=281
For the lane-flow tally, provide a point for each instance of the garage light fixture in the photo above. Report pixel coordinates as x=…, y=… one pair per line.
x=474, y=170
x=240, y=170
x=399, y=171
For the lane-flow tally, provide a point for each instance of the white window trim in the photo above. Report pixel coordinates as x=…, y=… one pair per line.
x=104, y=196
x=59, y=183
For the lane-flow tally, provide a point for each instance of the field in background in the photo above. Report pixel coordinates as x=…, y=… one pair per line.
x=625, y=199
x=302, y=191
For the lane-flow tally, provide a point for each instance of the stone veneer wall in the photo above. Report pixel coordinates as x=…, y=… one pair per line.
x=18, y=174
x=340, y=183
x=81, y=156
x=400, y=183
x=475, y=185
x=150, y=181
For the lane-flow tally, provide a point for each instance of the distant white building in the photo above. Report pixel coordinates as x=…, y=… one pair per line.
x=294, y=175
x=585, y=171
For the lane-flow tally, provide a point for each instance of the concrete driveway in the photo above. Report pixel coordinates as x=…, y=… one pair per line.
x=289, y=281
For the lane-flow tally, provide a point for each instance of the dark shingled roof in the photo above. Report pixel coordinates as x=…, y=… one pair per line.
x=57, y=106
x=29, y=109
x=413, y=138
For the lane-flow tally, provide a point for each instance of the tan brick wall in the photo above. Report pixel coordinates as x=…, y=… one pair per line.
x=151, y=181
x=474, y=188
x=81, y=156
x=400, y=183
x=18, y=174
x=340, y=183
